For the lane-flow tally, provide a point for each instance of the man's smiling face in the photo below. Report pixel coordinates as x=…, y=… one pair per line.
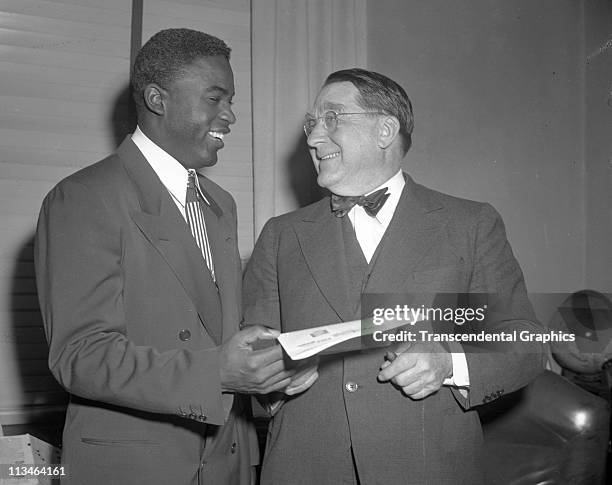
x=348, y=160
x=199, y=112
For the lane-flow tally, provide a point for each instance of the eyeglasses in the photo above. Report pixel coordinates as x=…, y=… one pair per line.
x=330, y=120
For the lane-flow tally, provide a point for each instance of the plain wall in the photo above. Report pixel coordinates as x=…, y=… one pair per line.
x=598, y=144
x=497, y=88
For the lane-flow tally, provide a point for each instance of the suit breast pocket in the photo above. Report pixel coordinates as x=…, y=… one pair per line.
x=445, y=278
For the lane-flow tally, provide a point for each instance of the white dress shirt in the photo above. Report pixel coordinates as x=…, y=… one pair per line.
x=169, y=170
x=370, y=230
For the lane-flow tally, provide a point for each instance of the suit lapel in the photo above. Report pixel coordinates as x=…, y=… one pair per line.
x=162, y=224
x=320, y=237
x=415, y=226
x=220, y=229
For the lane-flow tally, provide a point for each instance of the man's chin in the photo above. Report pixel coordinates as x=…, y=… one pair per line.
x=326, y=182
x=209, y=159
x=210, y=163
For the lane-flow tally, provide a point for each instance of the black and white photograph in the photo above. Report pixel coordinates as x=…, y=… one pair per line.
x=305, y=242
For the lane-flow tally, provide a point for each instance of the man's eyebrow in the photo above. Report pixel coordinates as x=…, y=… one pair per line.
x=328, y=105
x=219, y=89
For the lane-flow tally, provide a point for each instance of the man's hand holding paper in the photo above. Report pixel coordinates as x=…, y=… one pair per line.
x=418, y=368
x=304, y=377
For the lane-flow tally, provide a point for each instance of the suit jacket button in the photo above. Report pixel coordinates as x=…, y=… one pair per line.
x=233, y=448
x=184, y=335
x=351, y=386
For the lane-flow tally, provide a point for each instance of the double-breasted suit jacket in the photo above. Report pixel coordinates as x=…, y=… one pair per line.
x=134, y=321
x=298, y=277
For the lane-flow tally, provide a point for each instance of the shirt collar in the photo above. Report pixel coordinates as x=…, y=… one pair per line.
x=169, y=170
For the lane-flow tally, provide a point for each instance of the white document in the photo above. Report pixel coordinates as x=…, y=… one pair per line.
x=308, y=342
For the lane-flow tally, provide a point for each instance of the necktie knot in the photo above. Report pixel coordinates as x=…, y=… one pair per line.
x=191, y=175
x=192, y=191
x=342, y=204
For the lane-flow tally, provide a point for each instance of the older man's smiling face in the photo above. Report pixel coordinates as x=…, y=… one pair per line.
x=348, y=160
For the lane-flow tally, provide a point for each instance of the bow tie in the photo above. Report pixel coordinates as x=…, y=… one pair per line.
x=372, y=203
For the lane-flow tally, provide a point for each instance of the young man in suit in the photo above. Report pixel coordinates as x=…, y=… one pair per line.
x=376, y=417
x=140, y=290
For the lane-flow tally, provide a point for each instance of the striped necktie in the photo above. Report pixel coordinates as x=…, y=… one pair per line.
x=195, y=219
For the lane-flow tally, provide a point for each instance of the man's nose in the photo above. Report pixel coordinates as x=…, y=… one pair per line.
x=227, y=114
x=318, y=134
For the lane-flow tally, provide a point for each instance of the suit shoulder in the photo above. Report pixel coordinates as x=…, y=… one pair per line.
x=105, y=173
x=94, y=193
x=459, y=207
x=311, y=211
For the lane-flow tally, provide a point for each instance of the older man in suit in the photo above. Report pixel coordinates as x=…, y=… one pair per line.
x=374, y=416
x=139, y=279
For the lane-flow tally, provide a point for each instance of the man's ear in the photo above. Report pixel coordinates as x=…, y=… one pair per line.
x=155, y=99
x=388, y=131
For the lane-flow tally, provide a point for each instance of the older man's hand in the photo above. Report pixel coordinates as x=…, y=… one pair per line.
x=306, y=375
x=418, y=369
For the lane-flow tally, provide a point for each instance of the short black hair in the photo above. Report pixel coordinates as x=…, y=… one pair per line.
x=164, y=56
x=380, y=93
